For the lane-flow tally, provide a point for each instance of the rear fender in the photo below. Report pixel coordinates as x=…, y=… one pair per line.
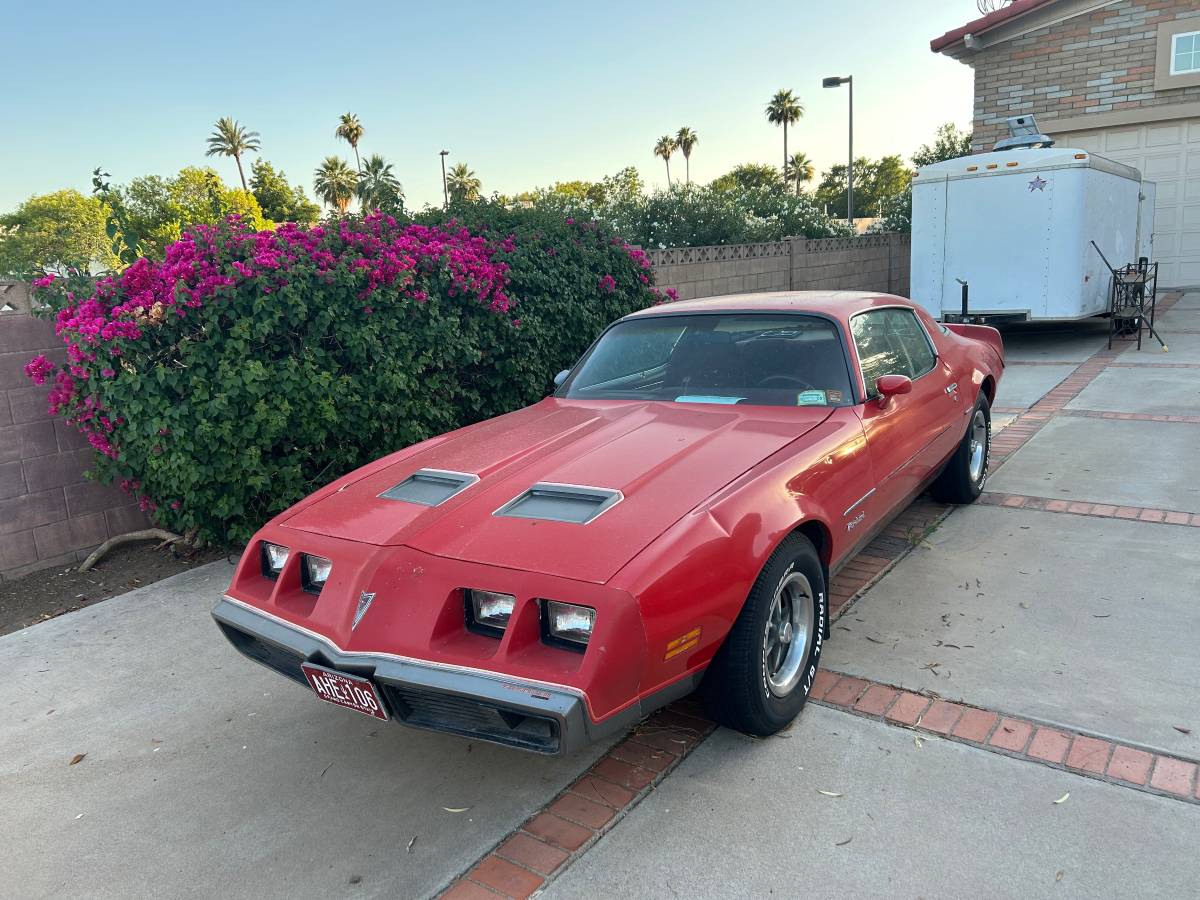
x=983, y=334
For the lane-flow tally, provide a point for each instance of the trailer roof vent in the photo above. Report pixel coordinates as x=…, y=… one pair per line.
x=1024, y=134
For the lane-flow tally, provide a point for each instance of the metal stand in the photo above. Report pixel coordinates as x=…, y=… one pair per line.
x=1131, y=300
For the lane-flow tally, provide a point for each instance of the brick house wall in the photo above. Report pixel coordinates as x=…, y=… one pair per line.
x=1097, y=62
x=49, y=514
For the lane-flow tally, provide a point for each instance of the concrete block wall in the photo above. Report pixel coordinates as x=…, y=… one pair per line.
x=875, y=262
x=49, y=514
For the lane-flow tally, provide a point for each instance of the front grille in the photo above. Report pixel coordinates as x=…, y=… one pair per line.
x=269, y=655
x=472, y=718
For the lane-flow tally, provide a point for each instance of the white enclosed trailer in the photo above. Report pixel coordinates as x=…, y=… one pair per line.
x=1016, y=225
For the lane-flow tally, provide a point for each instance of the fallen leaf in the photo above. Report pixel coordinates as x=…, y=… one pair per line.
x=1182, y=730
x=1098, y=616
x=1063, y=798
x=845, y=842
x=80, y=816
x=326, y=769
x=411, y=842
x=917, y=740
x=456, y=809
x=829, y=793
x=1058, y=876
x=1024, y=605
x=76, y=759
x=355, y=879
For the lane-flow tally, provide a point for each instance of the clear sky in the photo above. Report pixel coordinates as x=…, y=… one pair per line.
x=526, y=93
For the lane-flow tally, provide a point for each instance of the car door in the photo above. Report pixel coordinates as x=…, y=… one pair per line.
x=906, y=433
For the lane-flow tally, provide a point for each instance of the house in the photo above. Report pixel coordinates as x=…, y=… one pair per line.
x=1116, y=77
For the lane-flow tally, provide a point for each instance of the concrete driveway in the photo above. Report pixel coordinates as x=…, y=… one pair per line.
x=1008, y=709
x=206, y=775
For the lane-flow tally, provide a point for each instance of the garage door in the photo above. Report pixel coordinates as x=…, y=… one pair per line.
x=1167, y=153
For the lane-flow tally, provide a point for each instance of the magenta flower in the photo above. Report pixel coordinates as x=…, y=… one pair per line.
x=39, y=368
x=608, y=284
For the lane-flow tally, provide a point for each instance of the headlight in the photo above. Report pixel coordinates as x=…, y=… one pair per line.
x=569, y=623
x=274, y=558
x=314, y=572
x=489, y=611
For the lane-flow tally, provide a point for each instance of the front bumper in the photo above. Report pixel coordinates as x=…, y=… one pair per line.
x=472, y=703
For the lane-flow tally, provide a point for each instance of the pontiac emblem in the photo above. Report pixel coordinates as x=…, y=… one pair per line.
x=364, y=603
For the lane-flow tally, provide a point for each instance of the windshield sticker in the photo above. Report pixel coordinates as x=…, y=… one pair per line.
x=811, y=398
x=700, y=398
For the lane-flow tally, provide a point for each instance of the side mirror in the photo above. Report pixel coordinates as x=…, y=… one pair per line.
x=561, y=377
x=890, y=385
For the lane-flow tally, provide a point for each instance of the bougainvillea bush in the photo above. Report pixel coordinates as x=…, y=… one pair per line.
x=246, y=369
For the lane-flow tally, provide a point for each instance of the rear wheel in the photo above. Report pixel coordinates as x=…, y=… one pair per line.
x=761, y=677
x=965, y=473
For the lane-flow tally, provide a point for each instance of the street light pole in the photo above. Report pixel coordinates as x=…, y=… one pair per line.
x=445, y=193
x=838, y=82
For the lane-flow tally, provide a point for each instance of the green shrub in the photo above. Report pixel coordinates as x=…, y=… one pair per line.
x=247, y=369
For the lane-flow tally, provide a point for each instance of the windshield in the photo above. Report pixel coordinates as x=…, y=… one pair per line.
x=764, y=359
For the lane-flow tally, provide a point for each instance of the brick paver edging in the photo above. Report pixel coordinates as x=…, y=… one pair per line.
x=568, y=825
x=1072, y=751
x=1079, y=508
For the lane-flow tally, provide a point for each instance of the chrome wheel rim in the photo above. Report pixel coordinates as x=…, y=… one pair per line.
x=789, y=634
x=979, y=446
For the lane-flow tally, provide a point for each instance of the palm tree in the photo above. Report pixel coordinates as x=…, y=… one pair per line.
x=463, y=184
x=378, y=187
x=334, y=182
x=799, y=169
x=351, y=131
x=784, y=109
x=685, y=140
x=664, y=148
x=231, y=139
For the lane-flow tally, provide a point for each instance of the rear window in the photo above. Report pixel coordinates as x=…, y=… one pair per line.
x=729, y=358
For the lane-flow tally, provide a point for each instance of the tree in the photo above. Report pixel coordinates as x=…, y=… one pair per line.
x=378, y=187
x=279, y=200
x=463, y=184
x=875, y=183
x=334, y=183
x=784, y=109
x=351, y=131
x=158, y=209
x=231, y=139
x=685, y=140
x=799, y=169
x=749, y=176
x=54, y=232
x=948, y=143
x=663, y=149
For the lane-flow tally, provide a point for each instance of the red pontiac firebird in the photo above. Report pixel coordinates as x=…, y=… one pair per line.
x=667, y=520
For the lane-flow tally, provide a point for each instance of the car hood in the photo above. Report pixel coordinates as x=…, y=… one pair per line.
x=664, y=458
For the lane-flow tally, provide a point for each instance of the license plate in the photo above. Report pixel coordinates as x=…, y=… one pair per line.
x=350, y=691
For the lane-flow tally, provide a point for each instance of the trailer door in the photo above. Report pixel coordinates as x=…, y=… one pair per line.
x=1145, y=233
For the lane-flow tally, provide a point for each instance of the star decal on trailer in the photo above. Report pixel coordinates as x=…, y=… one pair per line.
x=1038, y=184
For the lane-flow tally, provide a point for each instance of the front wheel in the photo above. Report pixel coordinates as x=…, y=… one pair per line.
x=965, y=473
x=761, y=677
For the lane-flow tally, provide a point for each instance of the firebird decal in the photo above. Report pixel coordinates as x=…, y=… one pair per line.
x=364, y=603
x=685, y=642
x=856, y=521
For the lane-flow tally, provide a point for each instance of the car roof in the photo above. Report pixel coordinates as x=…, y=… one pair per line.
x=836, y=304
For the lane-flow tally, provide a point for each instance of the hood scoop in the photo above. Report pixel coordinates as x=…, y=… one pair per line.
x=571, y=503
x=430, y=487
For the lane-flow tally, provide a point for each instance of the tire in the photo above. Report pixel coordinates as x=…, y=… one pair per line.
x=965, y=473
x=761, y=677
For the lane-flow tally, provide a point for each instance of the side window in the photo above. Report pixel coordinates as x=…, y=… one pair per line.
x=914, y=340
x=890, y=342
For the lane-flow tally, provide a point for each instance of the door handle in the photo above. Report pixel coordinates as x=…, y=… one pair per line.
x=952, y=388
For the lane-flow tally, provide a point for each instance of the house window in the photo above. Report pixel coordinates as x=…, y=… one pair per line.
x=1185, y=53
